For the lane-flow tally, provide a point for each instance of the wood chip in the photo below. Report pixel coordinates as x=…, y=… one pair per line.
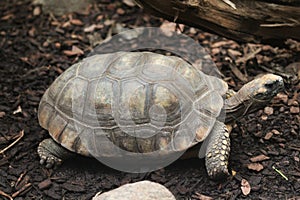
x=245, y=187
x=259, y=158
x=264, y=117
x=255, y=166
x=129, y=3
x=281, y=97
x=45, y=184
x=37, y=11
x=5, y=195
x=268, y=110
x=2, y=114
x=293, y=102
x=19, y=110
x=248, y=56
x=76, y=22
x=201, y=196
x=92, y=27
x=233, y=53
x=75, y=51
x=23, y=190
x=276, y=132
x=169, y=27
x=215, y=51
x=192, y=30
x=221, y=43
x=268, y=136
x=294, y=110
x=120, y=11
x=32, y=32
x=74, y=188
x=230, y=3
x=238, y=73
x=7, y=17
x=20, y=135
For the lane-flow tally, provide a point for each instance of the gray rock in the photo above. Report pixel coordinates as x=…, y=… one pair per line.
x=143, y=190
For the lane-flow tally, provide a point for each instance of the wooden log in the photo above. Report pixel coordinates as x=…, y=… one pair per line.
x=258, y=21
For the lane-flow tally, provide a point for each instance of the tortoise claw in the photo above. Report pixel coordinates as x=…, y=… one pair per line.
x=49, y=160
x=51, y=153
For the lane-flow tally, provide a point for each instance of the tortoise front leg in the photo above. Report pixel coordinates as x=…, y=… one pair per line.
x=51, y=153
x=217, y=153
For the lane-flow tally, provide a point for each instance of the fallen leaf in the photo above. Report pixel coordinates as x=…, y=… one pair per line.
x=259, y=158
x=19, y=110
x=245, y=187
x=255, y=166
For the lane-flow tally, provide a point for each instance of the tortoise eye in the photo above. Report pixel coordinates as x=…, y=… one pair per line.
x=270, y=85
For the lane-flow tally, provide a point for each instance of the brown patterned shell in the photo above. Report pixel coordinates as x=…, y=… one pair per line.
x=138, y=101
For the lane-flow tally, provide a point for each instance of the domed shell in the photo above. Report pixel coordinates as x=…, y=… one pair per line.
x=139, y=101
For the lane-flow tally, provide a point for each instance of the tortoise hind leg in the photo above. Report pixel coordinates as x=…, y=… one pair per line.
x=217, y=153
x=51, y=153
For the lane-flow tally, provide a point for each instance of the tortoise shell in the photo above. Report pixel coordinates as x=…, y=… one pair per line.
x=138, y=101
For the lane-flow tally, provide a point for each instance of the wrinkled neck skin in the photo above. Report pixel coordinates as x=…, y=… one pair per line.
x=236, y=107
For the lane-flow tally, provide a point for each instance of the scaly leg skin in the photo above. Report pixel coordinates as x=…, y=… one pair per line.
x=52, y=154
x=217, y=153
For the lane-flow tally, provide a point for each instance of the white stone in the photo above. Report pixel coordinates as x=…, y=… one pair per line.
x=143, y=190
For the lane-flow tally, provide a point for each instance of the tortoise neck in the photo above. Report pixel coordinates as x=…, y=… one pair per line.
x=234, y=108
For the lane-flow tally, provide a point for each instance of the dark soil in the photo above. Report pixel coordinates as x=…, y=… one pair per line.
x=36, y=47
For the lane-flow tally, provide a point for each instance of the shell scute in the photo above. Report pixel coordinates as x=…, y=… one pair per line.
x=72, y=98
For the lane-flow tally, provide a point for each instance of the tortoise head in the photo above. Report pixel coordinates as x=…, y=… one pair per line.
x=263, y=89
x=253, y=96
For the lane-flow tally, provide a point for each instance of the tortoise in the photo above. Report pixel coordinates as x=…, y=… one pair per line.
x=124, y=97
